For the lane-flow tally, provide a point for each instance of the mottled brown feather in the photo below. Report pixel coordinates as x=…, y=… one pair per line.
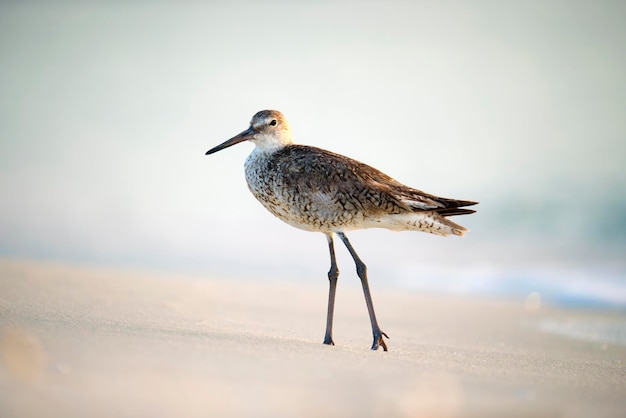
x=310, y=169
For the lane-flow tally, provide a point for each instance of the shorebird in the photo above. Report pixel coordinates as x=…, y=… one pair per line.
x=317, y=190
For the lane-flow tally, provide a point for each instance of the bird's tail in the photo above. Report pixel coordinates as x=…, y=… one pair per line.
x=426, y=213
x=425, y=221
x=435, y=221
x=448, y=227
x=453, y=207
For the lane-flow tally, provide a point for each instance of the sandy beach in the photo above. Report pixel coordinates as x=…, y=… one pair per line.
x=78, y=341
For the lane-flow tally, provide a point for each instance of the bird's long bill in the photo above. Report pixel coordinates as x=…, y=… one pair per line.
x=243, y=136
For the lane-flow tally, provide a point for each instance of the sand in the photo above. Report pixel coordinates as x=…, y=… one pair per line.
x=78, y=341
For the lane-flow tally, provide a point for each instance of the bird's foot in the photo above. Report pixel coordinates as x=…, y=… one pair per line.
x=329, y=341
x=379, y=341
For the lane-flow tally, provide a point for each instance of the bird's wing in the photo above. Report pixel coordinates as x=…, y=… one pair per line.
x=314, y=171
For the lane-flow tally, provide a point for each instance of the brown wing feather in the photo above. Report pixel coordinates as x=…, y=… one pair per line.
x=357, y=183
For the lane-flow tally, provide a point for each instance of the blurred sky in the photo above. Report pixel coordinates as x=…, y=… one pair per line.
x=107, y=109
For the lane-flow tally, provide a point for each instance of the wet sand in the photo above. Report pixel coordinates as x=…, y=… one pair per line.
x=78, y=341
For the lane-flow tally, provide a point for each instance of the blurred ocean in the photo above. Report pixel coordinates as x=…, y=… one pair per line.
x=582, y=286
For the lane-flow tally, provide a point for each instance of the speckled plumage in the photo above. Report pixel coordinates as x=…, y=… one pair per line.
x=318, y=190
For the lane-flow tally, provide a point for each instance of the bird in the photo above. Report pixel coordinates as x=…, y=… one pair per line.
x=320, y=191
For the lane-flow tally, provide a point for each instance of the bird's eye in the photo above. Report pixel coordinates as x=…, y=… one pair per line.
x=273, y=122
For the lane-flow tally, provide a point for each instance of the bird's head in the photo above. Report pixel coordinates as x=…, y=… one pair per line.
x=268, y=130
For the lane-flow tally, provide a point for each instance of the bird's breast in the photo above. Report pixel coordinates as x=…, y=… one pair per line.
x=265, y=183
x=285, y=188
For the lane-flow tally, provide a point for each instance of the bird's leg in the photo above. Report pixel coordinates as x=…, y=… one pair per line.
x=361, y=270
x=333, y=274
